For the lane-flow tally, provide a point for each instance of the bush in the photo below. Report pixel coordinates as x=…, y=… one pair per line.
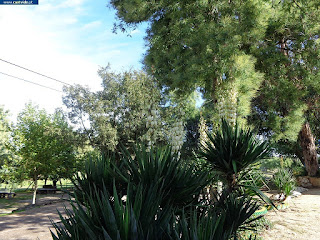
x=284, y=181
x=158, y=200
x=232, y=151
x=275, y=163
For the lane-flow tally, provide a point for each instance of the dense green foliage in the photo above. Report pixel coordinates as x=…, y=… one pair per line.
x=44, y=146
x=231, y=151
x=117, y=113
x=231, y=49
x=131, y=108
x=152, y=195
x=5, y=154
x=284, y=181
x=201, y=44
x=289, y=58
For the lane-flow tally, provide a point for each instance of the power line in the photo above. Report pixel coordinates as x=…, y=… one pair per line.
x=31, y=82
x=16, y=65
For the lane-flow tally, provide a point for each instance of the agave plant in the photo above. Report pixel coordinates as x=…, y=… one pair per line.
x=231, y=151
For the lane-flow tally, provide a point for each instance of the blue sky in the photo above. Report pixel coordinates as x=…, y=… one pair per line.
x=64, y=39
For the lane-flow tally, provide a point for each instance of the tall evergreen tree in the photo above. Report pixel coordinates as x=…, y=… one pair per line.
x=224, y=47
x=202, y=44
x=289, y=58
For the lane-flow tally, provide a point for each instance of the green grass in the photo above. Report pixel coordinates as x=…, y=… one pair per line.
x=24, y=192
x=66, y=183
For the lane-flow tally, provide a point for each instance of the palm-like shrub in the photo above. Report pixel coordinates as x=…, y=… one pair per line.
x=140, y=218
x=181, y=183
x=101, y=172
x=158, y=200
x=231, y=151
x=284, y=181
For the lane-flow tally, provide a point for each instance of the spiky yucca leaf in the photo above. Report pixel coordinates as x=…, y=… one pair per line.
x=231, y=150
x=181, y=184
x=158, y=188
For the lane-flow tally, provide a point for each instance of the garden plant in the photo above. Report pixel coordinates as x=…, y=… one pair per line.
x=153, y=194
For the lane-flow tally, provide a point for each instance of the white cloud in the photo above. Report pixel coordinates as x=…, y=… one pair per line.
x=62, y=40
x=91, y=25
x=136, y=31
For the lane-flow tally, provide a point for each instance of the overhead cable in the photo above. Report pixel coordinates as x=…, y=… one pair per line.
x=31, y=82
x=16, y=65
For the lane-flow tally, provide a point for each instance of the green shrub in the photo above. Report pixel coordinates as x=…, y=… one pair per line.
x=284, y=181
x=273, y=164
x=231, y=151
x=158, y=200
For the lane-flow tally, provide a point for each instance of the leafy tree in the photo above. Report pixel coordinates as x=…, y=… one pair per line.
x=43, y=145
x=289, y=97
x=5, y=153
x=129, y=108
x=224, y=47
x=202, y=44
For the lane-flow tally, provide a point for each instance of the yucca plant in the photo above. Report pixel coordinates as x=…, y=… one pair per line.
x=140, y=217
x=284, y=181
x=108, y=217
x=158, y=201
x=231, y=151
x=221, y=221
x=101, y=172
x=181, y=182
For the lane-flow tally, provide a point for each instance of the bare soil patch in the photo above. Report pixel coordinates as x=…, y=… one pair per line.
x=33, y=222
x=299, y=221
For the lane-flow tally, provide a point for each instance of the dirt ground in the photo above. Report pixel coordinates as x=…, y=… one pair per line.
x=299, y=221
x=32, y=223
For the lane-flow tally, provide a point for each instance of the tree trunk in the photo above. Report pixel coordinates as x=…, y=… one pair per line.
x=54, y=183
x=309, y=150
x=35, y=180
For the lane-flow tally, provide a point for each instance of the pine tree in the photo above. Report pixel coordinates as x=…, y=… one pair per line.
x=237, y=50
x=288, y=56
x=202, y=44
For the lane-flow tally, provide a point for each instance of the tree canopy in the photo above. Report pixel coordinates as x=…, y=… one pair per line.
x=44, y=145
x=117, y=113
x=256, y=59
x=5, y=153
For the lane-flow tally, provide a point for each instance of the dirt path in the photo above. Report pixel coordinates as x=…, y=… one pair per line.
x=298, y=222
x=31, y=224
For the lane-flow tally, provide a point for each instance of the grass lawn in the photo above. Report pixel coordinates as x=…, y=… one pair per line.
x=27, y=185
x=24, y=193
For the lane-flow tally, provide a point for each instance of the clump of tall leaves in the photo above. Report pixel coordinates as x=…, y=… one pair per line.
x=149, y=195
x=231, y=151
x=284, y=181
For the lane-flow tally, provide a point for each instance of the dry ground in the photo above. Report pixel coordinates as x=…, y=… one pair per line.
x=32, y=223
x=298, y=222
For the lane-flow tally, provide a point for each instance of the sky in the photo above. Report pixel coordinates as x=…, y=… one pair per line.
x=67, y=40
